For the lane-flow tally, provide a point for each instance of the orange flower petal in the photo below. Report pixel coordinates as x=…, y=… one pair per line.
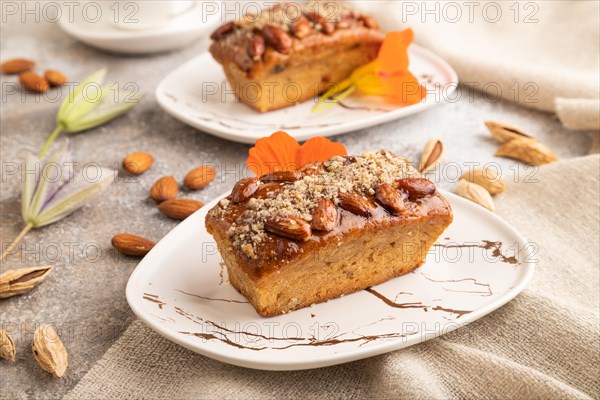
x=390, y=77
x=388, y=74
x=319, y=149
x=404, y=89
x=393, y=55
x=280, y=151
x=274, y=153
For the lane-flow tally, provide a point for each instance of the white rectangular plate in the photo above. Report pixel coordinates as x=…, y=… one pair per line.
x=197, y=94
x=181, y=291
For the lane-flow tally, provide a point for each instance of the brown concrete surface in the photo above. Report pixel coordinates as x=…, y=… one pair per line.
x=84, y=296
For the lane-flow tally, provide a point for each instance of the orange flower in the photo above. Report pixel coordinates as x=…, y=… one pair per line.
x=280, y=152
x=387, y=76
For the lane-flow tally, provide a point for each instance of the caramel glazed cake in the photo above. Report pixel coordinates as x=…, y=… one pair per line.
x=293, y=51
x=291, y=239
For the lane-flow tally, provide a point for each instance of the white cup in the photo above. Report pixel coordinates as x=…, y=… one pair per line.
x=148, y=14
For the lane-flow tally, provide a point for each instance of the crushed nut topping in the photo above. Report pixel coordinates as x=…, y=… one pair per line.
x=351, y=174
x=282, y=25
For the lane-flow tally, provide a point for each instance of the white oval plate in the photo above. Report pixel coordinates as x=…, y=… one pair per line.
x=197, y=94
x=180, y=290
x=180, y=31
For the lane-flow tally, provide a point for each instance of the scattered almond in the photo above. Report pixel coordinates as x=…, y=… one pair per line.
x=16, y=66
x=7, y=346
x=475, y=193
x=199, y=177
x=432, y=155
x=32, y=81
x=22, y=280
x=179, y=208
x=164, y=188
x=49, y=351
x=132, y=245
x=526, y=150
x=138, y=162
x=290, y=227
x=55, y=78
x=504, y=132
x=489, y=178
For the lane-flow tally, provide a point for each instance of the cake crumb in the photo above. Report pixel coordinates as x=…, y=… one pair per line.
x=224, y=203
x=248, y=249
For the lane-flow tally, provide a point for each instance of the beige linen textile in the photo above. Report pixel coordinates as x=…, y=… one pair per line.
x=543, y=344
x=548, y=59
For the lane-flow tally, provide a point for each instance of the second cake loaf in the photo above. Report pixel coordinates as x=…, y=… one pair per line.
x=293, y=51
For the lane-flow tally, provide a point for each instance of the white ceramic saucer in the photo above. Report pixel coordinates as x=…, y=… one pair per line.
x=197, y=94
x=179, y=32
x=180, y=290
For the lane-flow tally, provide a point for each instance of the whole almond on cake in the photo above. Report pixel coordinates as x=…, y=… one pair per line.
x=356, y=204
x=415, y=187
x=281, y=176
x=138, y=162
x=325, y=216
x=289, y=227
x=243, y=189
x=390, y=198
x=199, y=177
